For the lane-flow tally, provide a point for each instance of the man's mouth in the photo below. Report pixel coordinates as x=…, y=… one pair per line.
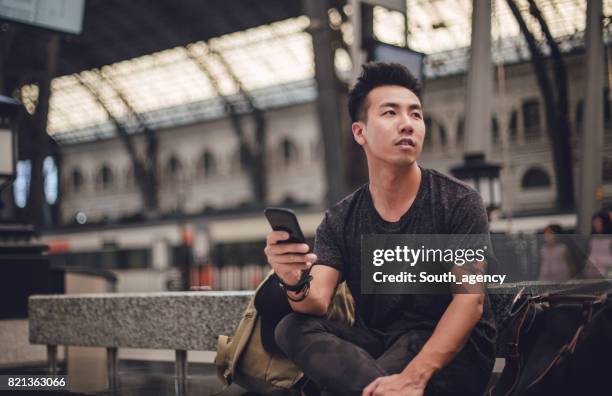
x=406, y=142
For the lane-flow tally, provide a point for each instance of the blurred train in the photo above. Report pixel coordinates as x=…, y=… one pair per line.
x=218, y=252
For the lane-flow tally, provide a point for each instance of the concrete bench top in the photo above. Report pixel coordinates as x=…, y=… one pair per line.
x=176, y=320
x=172, y=320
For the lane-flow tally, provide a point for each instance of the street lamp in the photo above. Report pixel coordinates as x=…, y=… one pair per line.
x=483, y=176
x=8, y=140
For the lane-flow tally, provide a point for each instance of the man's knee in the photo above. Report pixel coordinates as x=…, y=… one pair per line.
x=292, y=327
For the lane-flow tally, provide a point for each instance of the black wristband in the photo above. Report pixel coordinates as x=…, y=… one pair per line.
x=299, y=286
x=306, y=289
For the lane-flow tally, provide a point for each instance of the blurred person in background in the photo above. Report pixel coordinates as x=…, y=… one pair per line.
x=556, y=262
x=600, y=246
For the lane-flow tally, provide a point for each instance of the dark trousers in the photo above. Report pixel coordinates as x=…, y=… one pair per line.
x=343, y=360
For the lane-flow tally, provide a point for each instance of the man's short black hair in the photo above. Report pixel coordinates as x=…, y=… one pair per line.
x=376, y=74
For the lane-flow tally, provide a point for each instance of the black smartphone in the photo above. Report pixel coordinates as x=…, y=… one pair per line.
x=282, y=219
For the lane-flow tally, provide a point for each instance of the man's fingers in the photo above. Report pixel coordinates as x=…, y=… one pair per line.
x=369, y=390
x=276, y=236
x=284, y=249
x=293, y=258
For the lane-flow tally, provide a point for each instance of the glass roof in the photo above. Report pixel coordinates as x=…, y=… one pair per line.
x=274, y=63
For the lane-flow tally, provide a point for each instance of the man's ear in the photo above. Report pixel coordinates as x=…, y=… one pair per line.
x=358, y=129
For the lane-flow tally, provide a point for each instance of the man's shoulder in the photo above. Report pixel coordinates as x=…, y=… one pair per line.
x=450, y=187
x=341, y=209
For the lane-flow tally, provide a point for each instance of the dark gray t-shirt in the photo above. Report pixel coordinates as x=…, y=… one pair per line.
x=443, y=205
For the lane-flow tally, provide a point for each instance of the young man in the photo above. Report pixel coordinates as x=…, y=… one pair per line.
x=401, y=344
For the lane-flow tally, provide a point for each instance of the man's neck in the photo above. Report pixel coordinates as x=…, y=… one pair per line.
x=394, y=189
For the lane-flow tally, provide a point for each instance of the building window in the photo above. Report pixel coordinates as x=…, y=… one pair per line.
x=531, y=118
x=495, y=130
x=535, y=178
x=289, y=152
x=428, y=132
x=461, y=129
x=51, y=180
x=607, y=170
x=174, y=169
x=76, y=180
x=443, y=137
x=513, y=127
x=207, y=165
x=104, y=180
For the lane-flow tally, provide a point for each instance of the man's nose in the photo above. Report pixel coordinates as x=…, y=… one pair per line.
x=406, y=125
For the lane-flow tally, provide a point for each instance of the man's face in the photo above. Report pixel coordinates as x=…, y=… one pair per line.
x=394, y=129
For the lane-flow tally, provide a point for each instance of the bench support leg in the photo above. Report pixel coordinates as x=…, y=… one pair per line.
x=180, y=373
x=112, y=361
x=52, y=360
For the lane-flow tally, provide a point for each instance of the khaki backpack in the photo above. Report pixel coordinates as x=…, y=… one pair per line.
x=242, y=359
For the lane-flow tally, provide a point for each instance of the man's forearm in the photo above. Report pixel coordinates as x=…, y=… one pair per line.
x=320, y=293
x=449, y=336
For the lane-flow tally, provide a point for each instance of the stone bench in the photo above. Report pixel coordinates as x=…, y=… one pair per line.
x=182, y=321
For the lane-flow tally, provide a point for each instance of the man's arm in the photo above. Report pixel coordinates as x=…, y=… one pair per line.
x=322, y=289
x=448, y=338
x=288, y=260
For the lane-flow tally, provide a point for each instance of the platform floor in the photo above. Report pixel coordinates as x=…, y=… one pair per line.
x=143, y=378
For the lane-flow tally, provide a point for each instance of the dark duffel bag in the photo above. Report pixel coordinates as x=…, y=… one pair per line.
x=559, y=343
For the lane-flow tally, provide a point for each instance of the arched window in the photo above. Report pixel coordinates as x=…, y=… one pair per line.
x=207, y=166
x=289, y=152
x=495, y=130
x=104, y=179
x=174, y=169
x=428, y=132
x=531, y=118
x=443, y=137
x=460, y=129
x=76, y=180
x=513, y=127
x=535, y=178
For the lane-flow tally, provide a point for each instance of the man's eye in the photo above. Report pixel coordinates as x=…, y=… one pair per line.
x=389, y=112
x=417, y=115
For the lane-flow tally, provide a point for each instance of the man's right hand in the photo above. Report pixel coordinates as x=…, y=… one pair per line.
x=288, y=260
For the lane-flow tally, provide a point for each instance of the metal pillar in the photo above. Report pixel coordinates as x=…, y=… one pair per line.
x=112, y=361
x=592, y=137
x=480, y=81
x=328, y=101
x=357, y=54
x=180, y=372
x=52, y=360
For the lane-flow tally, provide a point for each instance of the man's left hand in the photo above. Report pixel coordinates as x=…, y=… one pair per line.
x=394, y=385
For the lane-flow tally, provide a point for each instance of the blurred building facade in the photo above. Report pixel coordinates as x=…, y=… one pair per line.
x=200, y=165
x=203, y=182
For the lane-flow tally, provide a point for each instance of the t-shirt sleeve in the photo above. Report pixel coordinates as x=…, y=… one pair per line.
x=469, y=216
x=327, y=246
x=470, y=225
